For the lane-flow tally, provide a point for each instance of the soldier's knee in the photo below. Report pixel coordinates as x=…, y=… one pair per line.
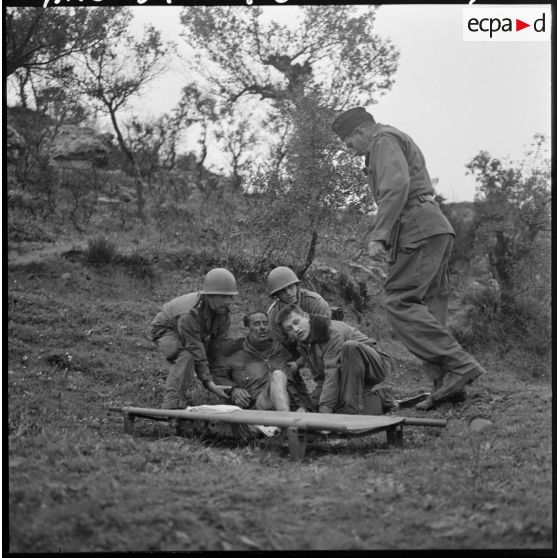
x=170, y=346
x=184, y=358
x=350, y=346
x=278, y=376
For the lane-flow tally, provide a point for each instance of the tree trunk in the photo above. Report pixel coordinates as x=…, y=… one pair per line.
x=310, y=255
x=134, y=163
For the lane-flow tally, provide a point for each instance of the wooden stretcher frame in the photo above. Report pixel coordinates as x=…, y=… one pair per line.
x=297, y=425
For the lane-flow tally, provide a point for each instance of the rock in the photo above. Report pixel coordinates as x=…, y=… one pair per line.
x=78, y=147
x=322, y=270
x=66, y=276
x=479, y=424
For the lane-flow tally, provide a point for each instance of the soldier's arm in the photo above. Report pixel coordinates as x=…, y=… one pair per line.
x=222, y=375
x=189, y=331
x=392, y=185
x=221, y=340
x=221, y=343
x=330, y=389
x=296, y=386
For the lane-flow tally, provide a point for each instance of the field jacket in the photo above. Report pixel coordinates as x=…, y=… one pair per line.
x=250, y=369
x=201, y=331
x=322, y=354
x=402, y=190
x=308, y=301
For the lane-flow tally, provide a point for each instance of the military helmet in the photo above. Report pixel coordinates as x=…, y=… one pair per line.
x=219, y=281
x=279, y=278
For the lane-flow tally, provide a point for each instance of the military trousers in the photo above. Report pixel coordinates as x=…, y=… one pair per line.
x=361, y=367
x=417, y=292
x=182, y=369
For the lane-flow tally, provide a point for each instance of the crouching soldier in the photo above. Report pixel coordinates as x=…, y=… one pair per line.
x=345, y=364
x=262, y=374
x=191, y=331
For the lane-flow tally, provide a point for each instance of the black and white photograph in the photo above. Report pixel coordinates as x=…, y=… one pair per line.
x=279, y=277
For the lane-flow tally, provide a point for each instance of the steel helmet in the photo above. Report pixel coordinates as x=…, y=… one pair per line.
x=219, y=281
x=279, y=278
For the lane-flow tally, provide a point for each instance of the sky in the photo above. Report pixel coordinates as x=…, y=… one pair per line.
x=453, y=97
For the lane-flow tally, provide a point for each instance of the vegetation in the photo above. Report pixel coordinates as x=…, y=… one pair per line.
x=511, y=228
x=103, y=230
x=78, y=344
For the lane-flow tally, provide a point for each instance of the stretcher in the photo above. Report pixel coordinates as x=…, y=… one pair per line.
x=296, y=425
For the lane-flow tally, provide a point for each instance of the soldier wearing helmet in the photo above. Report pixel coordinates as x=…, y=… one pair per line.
x=283, y=286
x=190, y=331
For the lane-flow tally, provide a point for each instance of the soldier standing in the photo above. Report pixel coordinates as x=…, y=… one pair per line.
x=416, y=239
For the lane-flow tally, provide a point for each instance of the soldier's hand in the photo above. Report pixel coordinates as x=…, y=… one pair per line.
x=240, y=397
x=221, y=391
x=292, y=367
x=376, y=249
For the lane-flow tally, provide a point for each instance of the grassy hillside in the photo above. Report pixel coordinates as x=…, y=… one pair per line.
x=78, y=343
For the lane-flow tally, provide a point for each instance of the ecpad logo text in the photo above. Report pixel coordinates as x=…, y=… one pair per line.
x=507, y=24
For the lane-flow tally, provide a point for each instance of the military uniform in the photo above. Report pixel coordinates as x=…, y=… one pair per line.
x=345, y=363
x=419, y=239
x=309, y=301
x=192, y=338
x=250, y=368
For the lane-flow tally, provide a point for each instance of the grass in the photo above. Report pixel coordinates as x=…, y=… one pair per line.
x=78, y=344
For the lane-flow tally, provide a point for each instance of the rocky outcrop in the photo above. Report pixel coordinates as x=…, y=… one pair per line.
x=79, y=147
x=66, y=145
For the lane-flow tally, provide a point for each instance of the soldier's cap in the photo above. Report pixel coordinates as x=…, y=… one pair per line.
x=347, y=121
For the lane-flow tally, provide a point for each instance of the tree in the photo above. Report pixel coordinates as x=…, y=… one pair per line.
x=512, y=207
x=38, y=41
x=290, y=81
x=512, y=226
x=333, y=49
x=115, y=70
x=300, y=202
x=236, y=137
x=332, y=54
x=199, y=108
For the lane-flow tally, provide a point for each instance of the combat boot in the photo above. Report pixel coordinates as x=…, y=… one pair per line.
x=427, y=402
x=171, y=401
x=437, y=384
x=453, y=391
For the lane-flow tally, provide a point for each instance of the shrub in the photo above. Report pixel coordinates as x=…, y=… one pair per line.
x=517, y=325
x=353, y=291
x=100, y=252
x=482, y=323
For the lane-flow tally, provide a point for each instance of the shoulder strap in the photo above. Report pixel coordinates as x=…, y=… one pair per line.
x=273, y=304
